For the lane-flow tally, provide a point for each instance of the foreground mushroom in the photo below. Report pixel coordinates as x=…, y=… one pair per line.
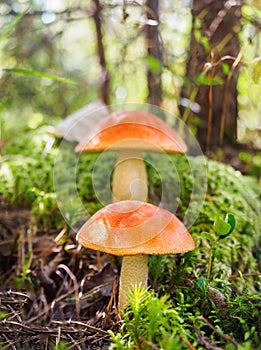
x=134, y=229
x=131, y=132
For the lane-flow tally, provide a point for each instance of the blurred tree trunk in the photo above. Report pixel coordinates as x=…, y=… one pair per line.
x=154, y=50
x=214, y=43
x=105, y=78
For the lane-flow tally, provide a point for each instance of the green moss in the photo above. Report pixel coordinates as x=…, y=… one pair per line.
x=185, y=286
x=171, y=322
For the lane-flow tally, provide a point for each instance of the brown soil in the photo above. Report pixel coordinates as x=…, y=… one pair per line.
x=52, y=290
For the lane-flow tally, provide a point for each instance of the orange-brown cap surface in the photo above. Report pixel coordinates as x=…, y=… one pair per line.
x=132, y=130
x=133, y=228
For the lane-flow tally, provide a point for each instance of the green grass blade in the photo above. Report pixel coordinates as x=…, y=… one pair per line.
x=12, y=25
x=38, y=74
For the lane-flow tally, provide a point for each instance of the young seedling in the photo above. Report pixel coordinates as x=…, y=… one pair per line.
x=223, y=229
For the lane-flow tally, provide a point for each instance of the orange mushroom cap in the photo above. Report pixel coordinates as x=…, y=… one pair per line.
x=133, y=228
x=120, y=129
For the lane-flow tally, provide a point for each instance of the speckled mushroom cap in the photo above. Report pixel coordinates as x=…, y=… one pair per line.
x=133, y=228
x=132, y=130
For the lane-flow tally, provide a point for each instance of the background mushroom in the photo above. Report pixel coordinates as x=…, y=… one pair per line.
x=75, y=126
x=131, y=132
x=134, y=229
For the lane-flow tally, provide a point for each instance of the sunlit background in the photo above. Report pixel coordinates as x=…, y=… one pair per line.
x=59, y=38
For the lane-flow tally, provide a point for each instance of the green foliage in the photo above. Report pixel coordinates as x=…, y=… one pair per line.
x=257, y=72
x=205, y=79
x=23, y=280
x=251, y=12
x=148, y=320
x=94, y=173
x=194, y=282
x=27, y=163
x=173, y=320
x=188, y=286
x=37, y=74
x=253, y=163
x=44, y=208
x=201, y=286
x=61, y=346
x=162, y=322
x=153, y=64
x=3, y=315
x=203, y=40
x=248, y=86
x=26, y=170
x=225, y=68
x=27, y=178
x=11, y=26
x=228, y=191
x=223, y=229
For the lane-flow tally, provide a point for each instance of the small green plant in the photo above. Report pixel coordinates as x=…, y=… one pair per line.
x=252, y=162
x=4, y=315
x=223, y=229
x=198, y=309
x=24, y=279
x=61, y=346
x=149, y=320
x=44, y=208
x=197, y=316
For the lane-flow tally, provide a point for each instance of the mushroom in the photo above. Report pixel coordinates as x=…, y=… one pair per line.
x=134, y=229
x=131, y=132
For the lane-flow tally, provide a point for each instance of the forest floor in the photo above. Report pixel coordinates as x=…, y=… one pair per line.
x=55, y=295
x=42, y=308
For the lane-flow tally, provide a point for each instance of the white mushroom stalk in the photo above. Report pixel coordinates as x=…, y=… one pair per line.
x=130, y=177
x=134, y=271
x=130, y=182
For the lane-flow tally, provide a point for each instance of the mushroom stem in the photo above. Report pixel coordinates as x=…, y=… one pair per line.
x=130, y=178
x=134, y=271
x=130, y=182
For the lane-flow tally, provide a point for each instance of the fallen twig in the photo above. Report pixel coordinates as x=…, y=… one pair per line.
x=224, y=336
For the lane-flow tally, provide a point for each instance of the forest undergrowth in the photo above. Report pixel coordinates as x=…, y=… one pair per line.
x=56, y=295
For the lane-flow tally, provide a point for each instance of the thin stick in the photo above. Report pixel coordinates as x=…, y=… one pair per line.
x=154, y=50
x=75, y=285
x=224, y=336
x=210, y=110
x=224, y=105
x=187, y=343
